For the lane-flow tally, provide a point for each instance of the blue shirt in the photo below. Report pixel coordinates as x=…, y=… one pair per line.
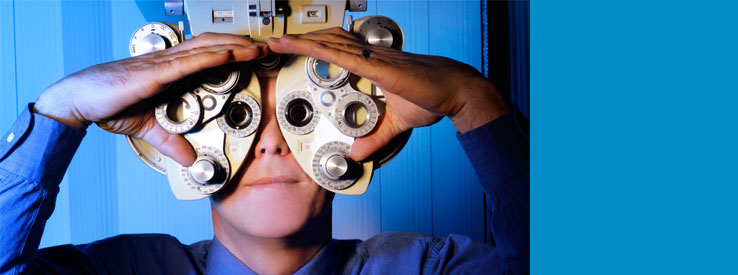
x=37, y=150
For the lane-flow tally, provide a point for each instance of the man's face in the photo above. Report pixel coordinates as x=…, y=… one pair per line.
x=271, y=197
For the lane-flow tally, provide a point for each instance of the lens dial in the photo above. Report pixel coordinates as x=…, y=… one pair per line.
x=221, y=79
x=241, y=116
x=356, y=114
x=179, y=115
x=209, y=172
x=296, y=113
x=324, y=74
x=332, y=167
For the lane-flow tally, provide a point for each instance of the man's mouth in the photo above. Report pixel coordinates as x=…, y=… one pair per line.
x=272, y=181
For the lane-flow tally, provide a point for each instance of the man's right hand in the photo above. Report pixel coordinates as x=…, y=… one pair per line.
x=101, y=92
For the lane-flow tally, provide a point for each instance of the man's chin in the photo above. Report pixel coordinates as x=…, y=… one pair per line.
x=276, y=210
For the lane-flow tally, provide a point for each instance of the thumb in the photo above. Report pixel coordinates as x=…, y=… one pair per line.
x=171, y=145
x=386, y=129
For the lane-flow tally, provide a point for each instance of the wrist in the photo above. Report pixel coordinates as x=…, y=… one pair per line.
x=53, y=105
x=479, y=104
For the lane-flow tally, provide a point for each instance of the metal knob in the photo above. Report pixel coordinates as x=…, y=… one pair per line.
x=380, y=36
x=379, y=31
x=205, y=170
x=153, y=37
x=336, y=166
x=151, y=43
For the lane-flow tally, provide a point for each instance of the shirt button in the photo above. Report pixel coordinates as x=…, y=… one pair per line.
x=10, y=137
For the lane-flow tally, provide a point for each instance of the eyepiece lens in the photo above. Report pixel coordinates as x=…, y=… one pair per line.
x=217, y=76
x=239, y=115
x=356, y=114
x=178, y=110
x=326, y=70
x=299, y=112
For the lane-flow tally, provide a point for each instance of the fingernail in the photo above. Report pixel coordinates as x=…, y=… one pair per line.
x=222, y=51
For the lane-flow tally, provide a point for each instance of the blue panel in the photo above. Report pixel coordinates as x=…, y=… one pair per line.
x=39, y=55
x=406, y=188
x=359, y=217
x=457, y=196
x=92, y=198
x=8, y=105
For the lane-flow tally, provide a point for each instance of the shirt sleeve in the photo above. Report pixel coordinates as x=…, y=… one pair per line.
x=34, y=155
x=500, y=155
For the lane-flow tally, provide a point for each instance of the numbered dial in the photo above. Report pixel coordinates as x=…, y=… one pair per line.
x=322, y=73
x=356, y=114
x=179, y=115
x=209, y=172
x=241, y=117
x=296, y=113
x=332, y=167
x=153, y=37
x=221, y=80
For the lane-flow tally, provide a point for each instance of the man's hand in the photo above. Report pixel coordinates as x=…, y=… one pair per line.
x=420, y=89
x=100, y=93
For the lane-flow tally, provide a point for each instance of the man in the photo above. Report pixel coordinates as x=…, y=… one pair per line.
x=272, y=219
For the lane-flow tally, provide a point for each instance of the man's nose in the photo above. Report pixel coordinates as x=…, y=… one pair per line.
x=271, y=140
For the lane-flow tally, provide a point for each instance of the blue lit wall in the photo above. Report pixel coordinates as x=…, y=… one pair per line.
x=430, y=187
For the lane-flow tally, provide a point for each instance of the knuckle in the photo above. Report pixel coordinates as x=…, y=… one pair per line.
x=334, y=36
x=374, y=62
x=175, y=65
x=318, y=45
x=207, y=35
x=352, y=47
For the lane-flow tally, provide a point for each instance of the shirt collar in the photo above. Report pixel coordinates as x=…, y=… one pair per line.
x=222, y=261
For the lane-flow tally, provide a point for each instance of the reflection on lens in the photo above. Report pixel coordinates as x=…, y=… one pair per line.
x=356, y=114
x=299, y=112
x=239, y=115
x=326, y=70
x=270, y=61
x=178, y=110
x=324, y=74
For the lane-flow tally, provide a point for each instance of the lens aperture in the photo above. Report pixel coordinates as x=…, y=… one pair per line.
x=356, y=114
x=299, y=112
x=178, y=110
x=239, y=115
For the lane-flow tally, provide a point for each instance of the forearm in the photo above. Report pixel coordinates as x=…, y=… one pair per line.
x=34, y=155
x=500, y=154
